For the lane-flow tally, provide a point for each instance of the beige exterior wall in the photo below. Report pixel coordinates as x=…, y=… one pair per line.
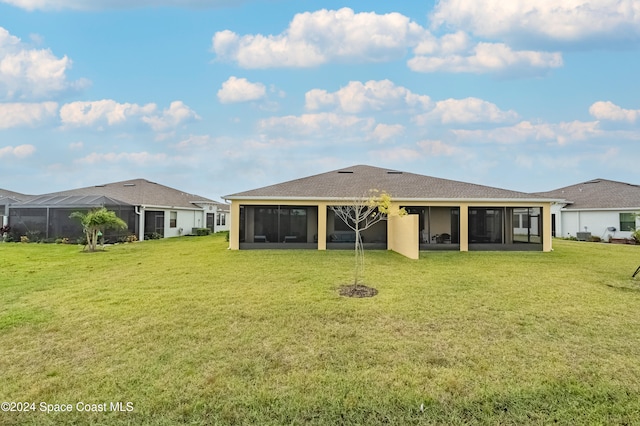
x=546, y=228
x=464, y=227
x=403, y=235
x=234, y=230
x=322, y=225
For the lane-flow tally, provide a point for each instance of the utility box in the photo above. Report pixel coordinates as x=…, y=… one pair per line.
x=583, y=236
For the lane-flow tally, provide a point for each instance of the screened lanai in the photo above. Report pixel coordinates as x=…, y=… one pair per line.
x=47, y=217
x=489, y=228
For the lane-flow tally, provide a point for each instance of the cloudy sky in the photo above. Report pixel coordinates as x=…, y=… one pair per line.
x=219, y=96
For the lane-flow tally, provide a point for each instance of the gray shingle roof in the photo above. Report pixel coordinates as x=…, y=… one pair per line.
x=16, y=196
x=89, y=201
x=137, y=192
x=356, y=181
x=598, y=194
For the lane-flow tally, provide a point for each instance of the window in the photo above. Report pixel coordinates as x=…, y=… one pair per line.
x=485, y=225
x=627, y=222
x=280, y=224
x=221, y=219
x=173, y=219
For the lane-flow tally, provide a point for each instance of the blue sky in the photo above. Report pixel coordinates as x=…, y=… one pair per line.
x=218, y=96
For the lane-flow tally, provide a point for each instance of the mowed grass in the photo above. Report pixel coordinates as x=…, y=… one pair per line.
x=192, y=333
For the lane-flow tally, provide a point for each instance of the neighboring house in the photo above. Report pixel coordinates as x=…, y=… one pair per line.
x=6, y=198
x=150, y=210
x=443, y=214
x=600, y=207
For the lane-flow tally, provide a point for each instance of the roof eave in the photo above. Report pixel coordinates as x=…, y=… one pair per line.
x=587, y=209
x=398, y=199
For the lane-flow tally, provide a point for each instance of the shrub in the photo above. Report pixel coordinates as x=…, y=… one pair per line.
x=202, y=231
x=636, y=235
x=33, y=236
x=4, y=233
x=24, y=239
x=152, y=236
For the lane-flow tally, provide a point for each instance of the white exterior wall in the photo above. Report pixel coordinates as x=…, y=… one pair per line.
x=186, y=221
x=227, y=221
x=214, y=210
x=556, y=209
x=596, y=222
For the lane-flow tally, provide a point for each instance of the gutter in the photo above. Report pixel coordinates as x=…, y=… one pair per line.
x=596, y=209
x=147, y=207
x=403, y=200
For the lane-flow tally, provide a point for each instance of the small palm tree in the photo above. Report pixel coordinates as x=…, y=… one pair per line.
x=95, y=222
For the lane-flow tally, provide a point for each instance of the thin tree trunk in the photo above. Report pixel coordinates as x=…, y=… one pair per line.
x=357, y=249
x=93, y=240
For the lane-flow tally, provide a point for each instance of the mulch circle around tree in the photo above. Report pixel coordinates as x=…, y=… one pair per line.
x=357, y=290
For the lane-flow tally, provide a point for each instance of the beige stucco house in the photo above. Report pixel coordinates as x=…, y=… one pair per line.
x=443, y=214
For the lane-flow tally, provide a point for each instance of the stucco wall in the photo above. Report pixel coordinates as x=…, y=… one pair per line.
x=186, y=220
x=403, y=235
x=595, y=222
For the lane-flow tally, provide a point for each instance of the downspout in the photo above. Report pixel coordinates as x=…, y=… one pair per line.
x=136, y=209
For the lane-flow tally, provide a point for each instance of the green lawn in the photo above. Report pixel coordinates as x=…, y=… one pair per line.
x=189, y=332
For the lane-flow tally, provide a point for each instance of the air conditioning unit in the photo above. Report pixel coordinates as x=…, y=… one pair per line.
x=583, y=236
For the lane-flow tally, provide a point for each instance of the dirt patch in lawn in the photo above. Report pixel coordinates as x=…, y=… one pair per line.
x=357, y=290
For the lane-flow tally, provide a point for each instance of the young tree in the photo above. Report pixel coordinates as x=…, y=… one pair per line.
x=95, y=222
x=361, y=214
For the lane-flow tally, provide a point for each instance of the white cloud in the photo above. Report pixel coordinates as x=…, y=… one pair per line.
x=110, y=112
x=468, y=110
x=177, y=114
x=116, y=4
x=436, y=148
x=447, y=44
x=610, y=111
x=396, y=154
x=484, y=58
x=139, y=158
x=26, y=114
x=194, y=141
x=76, y=146
x=561, y=133
x=105, y=111
x=567, y=20
x=20, y=151
x=383, y=132
x=315, y=38
x=32, y=73
x=318, y=125
x=240, y=90
x=357, y=97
